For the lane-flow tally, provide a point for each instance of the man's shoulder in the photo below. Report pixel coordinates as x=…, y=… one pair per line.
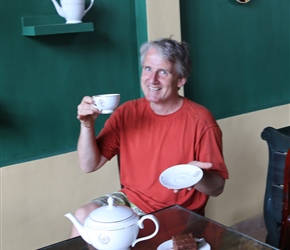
x=131, y=108
x=136, y=103
x=199, y=111
x=196, y=107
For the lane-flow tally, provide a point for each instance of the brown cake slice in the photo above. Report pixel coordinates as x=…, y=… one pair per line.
x=184, y=242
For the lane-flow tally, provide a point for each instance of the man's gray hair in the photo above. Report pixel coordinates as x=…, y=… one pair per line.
x=173, y=51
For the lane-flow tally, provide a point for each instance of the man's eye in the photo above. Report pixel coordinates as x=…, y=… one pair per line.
x=147, y=68
x=163, y=72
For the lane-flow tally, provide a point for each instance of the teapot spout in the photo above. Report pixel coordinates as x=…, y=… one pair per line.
x=59, y=9
x=79, y=227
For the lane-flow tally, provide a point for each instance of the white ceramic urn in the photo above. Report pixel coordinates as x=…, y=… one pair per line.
x=113, y=227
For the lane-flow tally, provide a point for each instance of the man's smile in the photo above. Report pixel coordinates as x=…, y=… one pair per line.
x=154, y=88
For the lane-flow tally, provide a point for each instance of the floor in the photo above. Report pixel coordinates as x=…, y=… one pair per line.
x=253, y=227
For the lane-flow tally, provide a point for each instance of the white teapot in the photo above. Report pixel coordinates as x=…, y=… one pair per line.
x=113, y=227
x=72, y=10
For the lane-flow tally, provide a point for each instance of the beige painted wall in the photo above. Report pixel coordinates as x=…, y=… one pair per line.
x=35, y=195
x=246, y=156
x=163, y=19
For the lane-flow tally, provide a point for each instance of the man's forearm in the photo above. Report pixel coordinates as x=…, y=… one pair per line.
x=88, y=151
x=211, y=184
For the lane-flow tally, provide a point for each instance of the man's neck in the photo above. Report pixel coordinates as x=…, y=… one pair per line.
x=167, y=108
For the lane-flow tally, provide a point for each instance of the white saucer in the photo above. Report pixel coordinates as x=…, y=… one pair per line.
x=180, y=176
x=167, y=245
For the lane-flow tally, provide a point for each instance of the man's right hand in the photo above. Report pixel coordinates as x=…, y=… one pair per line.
x=87, y=113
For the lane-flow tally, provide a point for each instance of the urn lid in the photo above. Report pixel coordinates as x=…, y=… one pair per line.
x=111, y=217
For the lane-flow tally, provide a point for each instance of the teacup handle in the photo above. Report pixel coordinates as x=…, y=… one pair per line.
x=90, y=6
x=140, y=225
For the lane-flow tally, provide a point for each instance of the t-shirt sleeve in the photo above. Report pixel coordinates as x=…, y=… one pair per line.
x=210, y=150
x=108, y=139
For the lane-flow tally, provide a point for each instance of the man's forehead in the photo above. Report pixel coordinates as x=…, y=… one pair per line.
x=154, y=58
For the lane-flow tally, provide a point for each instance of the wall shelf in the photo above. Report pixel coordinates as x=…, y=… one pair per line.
x=49, y=25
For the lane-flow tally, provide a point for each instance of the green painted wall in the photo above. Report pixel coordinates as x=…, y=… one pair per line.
x=43, y=78
x=240, y=54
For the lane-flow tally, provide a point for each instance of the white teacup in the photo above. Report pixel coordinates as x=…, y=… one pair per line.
x=107, y=103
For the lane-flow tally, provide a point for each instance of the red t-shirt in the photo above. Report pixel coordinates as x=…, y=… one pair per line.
x=149, y=143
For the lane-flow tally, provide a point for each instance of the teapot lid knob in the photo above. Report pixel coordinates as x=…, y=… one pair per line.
x=110, y=202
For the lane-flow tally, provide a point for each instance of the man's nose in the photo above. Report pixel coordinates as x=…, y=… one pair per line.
x=154, y=77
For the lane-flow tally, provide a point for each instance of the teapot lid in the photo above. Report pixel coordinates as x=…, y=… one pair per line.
x=111, y=216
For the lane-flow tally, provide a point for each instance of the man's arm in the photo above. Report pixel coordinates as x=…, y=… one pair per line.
x=88, y=151
x=211, y=183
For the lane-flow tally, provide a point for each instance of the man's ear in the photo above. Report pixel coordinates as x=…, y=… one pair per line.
x=181, y=82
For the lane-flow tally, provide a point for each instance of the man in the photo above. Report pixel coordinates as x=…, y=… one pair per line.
x=152, y=134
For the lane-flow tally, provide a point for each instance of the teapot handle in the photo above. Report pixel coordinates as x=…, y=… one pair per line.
x=140, y=225
x=90, y=6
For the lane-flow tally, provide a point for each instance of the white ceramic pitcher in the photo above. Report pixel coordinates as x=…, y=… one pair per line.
x=113, y=227
x=72, y=10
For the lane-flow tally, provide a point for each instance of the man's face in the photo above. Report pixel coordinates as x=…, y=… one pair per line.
x=159, y=79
